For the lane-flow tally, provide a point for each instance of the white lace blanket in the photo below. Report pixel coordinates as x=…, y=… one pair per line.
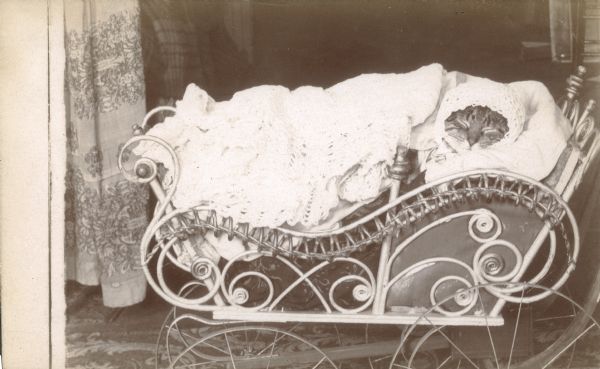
x=271, y=156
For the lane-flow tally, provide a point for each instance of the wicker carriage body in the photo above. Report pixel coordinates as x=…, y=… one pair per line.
x=452, y=252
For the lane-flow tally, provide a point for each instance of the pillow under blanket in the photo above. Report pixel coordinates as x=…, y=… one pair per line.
x=530, y=148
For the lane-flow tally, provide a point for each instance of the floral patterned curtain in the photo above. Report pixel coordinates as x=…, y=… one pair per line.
x=104, y=82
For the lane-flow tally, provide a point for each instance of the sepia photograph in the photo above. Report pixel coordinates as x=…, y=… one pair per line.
x=326, y=184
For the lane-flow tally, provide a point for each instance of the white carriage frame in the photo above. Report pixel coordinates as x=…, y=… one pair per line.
x=225, y=300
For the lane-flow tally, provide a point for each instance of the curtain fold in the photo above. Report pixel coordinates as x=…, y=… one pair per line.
x=104, y=92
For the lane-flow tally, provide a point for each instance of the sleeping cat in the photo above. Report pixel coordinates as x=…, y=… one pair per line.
x=476, y=126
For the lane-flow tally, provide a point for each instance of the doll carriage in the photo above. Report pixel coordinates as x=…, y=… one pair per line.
x=468, y=271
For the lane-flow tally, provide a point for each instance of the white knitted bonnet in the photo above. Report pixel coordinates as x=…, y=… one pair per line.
x=497, y=96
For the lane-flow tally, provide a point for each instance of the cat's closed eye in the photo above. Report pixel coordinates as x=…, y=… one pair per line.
x=490, y=136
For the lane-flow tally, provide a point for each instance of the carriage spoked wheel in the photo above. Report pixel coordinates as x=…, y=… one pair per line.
x=240, y=345
x=272, y=345
x=194, y=340
x=532, y=335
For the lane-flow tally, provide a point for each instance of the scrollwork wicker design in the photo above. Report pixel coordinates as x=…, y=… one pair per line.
x=390, y=219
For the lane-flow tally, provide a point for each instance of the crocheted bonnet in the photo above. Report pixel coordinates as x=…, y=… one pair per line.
x=497, y=96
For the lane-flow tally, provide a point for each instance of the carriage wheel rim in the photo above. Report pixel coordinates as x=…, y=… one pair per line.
x=563, y=343
x=253, y=328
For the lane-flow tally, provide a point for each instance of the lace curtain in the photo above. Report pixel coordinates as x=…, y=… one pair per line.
x=104, y=82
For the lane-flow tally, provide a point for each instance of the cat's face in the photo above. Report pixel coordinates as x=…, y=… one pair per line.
x=476, y=126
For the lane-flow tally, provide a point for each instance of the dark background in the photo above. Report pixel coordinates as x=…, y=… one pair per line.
x=324, y=42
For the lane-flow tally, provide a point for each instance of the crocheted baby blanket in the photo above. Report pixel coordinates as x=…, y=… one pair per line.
x=271, y=156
